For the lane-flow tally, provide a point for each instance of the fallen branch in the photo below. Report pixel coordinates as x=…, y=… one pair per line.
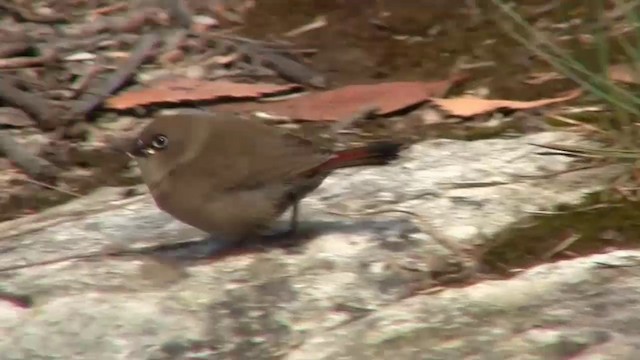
x=65, y=46
x=32, y=165
x=179, y=12
x=263, y=55
x=172, y=50
x=13, y=48
x=81, y=84
x=133, y=22
x=48, y=55
x=290, y=69
x=110, y=9
x=28, y=15
x=40, y=109
x=95, y=97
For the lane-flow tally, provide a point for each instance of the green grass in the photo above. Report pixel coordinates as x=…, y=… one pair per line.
x=587, y=64
x=616, y=209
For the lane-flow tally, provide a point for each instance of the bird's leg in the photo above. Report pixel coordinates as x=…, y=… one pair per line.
x=284, y=235
x=293, y=220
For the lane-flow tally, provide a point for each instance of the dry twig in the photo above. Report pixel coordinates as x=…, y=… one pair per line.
x=29, y=15
x=40, y=109
x=179, y=12
x=32, y=165
x=47, y=56
x=13, y=48
x=133, y=22
x=94, y=97
x=285, y=66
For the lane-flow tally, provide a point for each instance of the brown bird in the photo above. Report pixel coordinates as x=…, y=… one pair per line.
x=234, y=176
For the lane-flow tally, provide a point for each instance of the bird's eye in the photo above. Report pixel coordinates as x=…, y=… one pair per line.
x=160, y=142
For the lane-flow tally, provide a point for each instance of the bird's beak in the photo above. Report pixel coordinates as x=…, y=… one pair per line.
x=133, y=147
x=137, y=149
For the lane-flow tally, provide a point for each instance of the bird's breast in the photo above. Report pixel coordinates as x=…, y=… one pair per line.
x=183, y=200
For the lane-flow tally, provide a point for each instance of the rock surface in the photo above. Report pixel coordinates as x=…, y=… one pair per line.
x=349, y=292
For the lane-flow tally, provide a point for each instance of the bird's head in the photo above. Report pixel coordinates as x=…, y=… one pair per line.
x=164, y=143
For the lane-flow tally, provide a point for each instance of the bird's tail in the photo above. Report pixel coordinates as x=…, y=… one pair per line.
x=380, y=153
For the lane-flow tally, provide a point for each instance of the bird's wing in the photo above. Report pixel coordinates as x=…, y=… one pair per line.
x=242, y=154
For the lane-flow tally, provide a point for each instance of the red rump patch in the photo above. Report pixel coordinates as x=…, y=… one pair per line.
x=374, y=154
x=346, y=156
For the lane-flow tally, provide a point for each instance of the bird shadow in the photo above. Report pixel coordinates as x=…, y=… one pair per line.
x=215, y=247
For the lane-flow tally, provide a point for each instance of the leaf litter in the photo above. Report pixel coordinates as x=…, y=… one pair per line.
x=344, y=102
x=472, y=106
x=186, y=89
x=624, y=73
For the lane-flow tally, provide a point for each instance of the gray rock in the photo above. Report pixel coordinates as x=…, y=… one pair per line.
x=580, y=309
x=350, y=292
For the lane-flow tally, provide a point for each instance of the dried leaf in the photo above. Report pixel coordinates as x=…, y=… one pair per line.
x=108, y=10
x=185, y=89
x=625, y=73
x=470, y=106
x=317, y=23
x=224, y=59
x=15, y=117
x=542, y=77
x=338, y=104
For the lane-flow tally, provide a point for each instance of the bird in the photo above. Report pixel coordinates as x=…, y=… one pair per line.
x=234, y=176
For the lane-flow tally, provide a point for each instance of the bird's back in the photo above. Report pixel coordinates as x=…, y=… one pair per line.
x=234, y=152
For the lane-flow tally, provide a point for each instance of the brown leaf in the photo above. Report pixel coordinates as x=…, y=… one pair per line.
x=10, y=116
x=342, y=103
x=625, y=73
x=470, y=106
x=185, y=89
x=542, y=77
x=224, y=59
